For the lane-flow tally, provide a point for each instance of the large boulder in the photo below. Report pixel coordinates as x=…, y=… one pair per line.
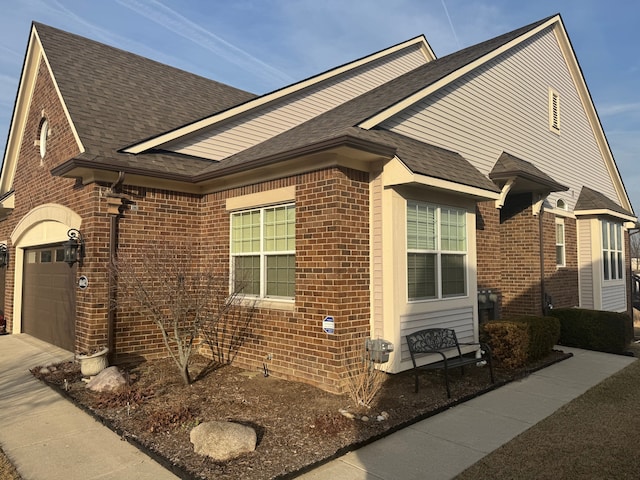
x=223, y=441
x=107, y=380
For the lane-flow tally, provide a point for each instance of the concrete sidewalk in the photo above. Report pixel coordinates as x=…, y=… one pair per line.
x=48, y=438
x=446, y=444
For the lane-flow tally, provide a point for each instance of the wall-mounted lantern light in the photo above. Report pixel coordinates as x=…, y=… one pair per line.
x=74, y=247
x=4, y=255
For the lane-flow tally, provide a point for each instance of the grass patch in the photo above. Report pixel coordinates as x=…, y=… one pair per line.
x=591, y=437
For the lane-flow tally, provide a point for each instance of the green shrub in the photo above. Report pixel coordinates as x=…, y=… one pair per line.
x=609, y=332
x=544, y=333
x=517, y=341
x=509, y=342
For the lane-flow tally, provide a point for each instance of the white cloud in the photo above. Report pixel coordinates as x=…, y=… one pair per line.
x=177, y=23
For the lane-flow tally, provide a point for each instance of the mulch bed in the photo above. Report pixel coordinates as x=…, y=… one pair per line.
x=298, y=426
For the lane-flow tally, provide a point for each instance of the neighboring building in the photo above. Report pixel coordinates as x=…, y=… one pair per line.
x=402, y=189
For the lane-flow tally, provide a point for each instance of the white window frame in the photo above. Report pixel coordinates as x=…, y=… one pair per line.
x=439, y=252
x=561, y=243
x=612, y=251
x=262, y=252
x=43, y=135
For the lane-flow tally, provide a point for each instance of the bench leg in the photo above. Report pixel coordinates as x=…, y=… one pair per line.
x=446, y=382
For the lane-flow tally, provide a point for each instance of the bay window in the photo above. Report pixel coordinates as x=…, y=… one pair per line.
x=436, y=251
x=612, y=263
x=263, y=251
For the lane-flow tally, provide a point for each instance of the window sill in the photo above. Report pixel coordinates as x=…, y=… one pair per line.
x=432, y=300
x=269, y=303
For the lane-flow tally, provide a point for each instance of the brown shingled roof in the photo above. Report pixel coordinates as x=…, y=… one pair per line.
x=509, y=166
x=115, y=97
x=591, y=200
x=432, y=161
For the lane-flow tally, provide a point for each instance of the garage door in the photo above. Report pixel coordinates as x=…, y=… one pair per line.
x=48, y=296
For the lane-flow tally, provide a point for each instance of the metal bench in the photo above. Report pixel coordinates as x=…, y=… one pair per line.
x=442, y=341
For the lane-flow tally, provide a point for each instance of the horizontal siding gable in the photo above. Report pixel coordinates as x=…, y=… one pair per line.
x=504, y=106
x=223, y=140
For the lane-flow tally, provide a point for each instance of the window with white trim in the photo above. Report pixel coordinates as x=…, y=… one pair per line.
x=436, y=251
x=263, y=256
x=612, y=263
x=44, y=134
x=560, y=243
x=554, y=111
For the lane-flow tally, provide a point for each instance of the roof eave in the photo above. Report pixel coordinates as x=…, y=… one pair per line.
x=88, y=170
x=375, y=150
x=606, y=212
x=545, y=185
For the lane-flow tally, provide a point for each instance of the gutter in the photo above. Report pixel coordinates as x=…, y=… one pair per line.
x=543, y=296
x=346, y=140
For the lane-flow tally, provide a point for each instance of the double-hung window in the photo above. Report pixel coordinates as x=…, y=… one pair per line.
x=560, y=243
x=612, y=250
x=263, y=251
x=436, y=251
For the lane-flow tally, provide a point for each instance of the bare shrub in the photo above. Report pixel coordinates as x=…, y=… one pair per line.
x=227, y=331
x=364, y=378
x=181, y=294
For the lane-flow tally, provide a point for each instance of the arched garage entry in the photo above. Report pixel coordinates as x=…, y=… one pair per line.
x=48, y=296
x=44, y=295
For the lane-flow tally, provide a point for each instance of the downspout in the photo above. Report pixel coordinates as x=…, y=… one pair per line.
x=542, y=290
x=115, y=207
x=538, y=210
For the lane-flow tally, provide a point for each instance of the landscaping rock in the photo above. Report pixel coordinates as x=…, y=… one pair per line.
x=223, y=441
x=107, y=380
x=346, y=413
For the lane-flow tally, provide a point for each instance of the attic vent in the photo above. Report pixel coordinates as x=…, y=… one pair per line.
x=554, y=110
x=561, y=204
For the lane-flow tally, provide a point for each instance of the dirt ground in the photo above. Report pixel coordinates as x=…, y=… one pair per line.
x=297, y=425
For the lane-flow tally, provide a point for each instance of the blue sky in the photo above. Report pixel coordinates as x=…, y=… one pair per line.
x=262, y=45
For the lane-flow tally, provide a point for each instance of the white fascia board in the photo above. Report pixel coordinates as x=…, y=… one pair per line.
x=21, y=109
x=605, y=212
x=397, y=173
x=269, y=97
x=416, y=97
x=8, y=202
x=591, y=113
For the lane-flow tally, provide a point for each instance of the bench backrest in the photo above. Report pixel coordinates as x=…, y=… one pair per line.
x=432, y=340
